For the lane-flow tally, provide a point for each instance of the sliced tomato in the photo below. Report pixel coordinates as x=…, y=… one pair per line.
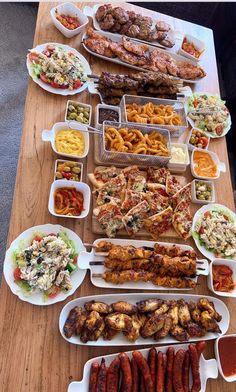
x=37, y=238
x=16, y=274
x=77, y=84
x=54, y=291
x=52, y=234
x=44, y=79
x=226, y=217
x=219, y=130
x=201, y=231
x=33, y=56
x=75, y=259
x=204, y=141
x=206, y=214
x=57, y=85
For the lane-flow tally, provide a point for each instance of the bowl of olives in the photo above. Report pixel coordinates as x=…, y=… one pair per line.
x=203, y=192
x=197, y=139
x=76, y=111
x=68, y=170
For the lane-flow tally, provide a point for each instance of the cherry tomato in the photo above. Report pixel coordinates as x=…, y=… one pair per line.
x=219, y=130
x=204, y=141
x=54, y=291
x=33, y=56
x=16, y=274
x=206, y=214
x=66, y=175
x=226, y=217
x=75, y=260
x=56, y=85
x=44, y=79
x=52, y=234
x=77, y=84
x=37, y=238
x=201, y=231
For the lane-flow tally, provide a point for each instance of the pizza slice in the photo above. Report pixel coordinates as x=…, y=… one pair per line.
x=172, y=185
x=137, y=183
x=102, y=175
x=157, y=188
x=157, y=202
x=157, y=175
x=131, y=171
x=134, y=219
x=109, y=217
x=184, y=194
x=182, y=220
x=111, y=191
x=159, y=223
x=131, y=199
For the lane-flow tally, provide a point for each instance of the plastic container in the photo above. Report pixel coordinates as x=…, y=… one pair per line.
x=83, y=105
x=232, y=265
x=71, y=10
x=130, y=158
x=104, y=106
x=198, y=44
x=216, y=349
x=50, y=136
x=178, y=106
x=78, y=164
x=220, y=165
x=80, y=186
x=193, y=192
x=191, y=147
x=176, y=167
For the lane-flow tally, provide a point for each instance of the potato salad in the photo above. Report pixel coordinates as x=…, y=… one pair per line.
x=217, y=232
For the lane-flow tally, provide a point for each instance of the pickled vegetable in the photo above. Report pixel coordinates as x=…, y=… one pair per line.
x=203, y=190
x=198, y=139
x=77, y=112
x=68, y=170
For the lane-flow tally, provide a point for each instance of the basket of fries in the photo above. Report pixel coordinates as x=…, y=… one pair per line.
x=134, y=144
x=164, y=113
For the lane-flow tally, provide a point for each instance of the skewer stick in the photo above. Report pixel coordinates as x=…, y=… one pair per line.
x=96, y=263
x=93, y=76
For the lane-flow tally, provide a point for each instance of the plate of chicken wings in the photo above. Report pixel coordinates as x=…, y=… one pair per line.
x=142, y=319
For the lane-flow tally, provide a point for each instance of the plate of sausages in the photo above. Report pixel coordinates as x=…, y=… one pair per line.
x=177, y=368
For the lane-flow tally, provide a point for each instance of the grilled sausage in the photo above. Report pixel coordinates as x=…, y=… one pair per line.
x=101, y=382
x=194, y=360
x=93, y=376
x=126, y=372
x=177, y=371
x=200, y=346
x=113, y=375
x=143, y=366
x=152, y=364
x=135, y=375
x=185, y=376
x=169, y=369
x=160, y=373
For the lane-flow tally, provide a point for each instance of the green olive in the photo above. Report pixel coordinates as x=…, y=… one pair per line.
x=192, y=140
x=59, y=175
x=76, y=170
x=72, y=116
x=79, y=119
x=71, y=164
x=67, y=169
x=71, y=108
x=201, y=197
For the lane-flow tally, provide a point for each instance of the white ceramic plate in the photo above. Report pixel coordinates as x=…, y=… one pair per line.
x=232, y=265
x=208, y=368
x=85, y=258
x=209, y=134
x=210, y=255
x=49, y=88
x=116, y=60
x=23, y=240
x=120, y=339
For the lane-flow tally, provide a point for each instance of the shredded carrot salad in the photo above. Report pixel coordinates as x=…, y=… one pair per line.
x=68, y=201
x=222, y=278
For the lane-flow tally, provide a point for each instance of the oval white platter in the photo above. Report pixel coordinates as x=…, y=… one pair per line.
x=207, y=253
x=23, y=240
x=120, y=340
x=48, y=87
x=207, y=368
x=91, y=11
x=116, y=60
x=85, y=258
x=209, y=134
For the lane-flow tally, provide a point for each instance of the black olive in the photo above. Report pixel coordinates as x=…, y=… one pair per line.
x=28, y=254
x=39, y=260
x=107, y=200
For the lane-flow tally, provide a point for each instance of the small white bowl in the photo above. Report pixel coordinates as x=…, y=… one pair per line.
x=198, y=44
x=83, y=105
x=104, y=106
x=217, y=355
x=231, y=264
x=220, y=165
x=50, y=136
x=179, y=167
x=191, y=147
x=80, y=186
x=72, y=10
x=79, y=164
x=193, y=192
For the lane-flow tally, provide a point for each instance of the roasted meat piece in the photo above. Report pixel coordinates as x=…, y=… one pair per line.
x=119, y=321
x=209, y=323
x=179, y=333
x=124, y=307
x=164, y=331
x=71, y=323
x=99, y=307
x=184, y=313
x=149, y=305
x=154, y=324
x=205, y=304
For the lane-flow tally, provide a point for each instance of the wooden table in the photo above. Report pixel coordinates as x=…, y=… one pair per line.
x=33, y=355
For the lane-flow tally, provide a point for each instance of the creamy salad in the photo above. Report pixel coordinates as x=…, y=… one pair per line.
x=217, y=233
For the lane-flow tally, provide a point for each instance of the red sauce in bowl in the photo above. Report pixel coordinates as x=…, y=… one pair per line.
x=227, y=354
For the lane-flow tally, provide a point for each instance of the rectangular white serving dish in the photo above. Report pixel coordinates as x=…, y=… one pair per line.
x=105, y=106
x=84, y=259
x=176, y=167
x=220, y=165
x=208, y=368
x=193, y=192
x=79, y=164
x=191, y=147
x=116, y=60
x=72, y=10
x=83, y=105
x=120, y=339
x=231, y=264
x=198, y=44
x=217, y=355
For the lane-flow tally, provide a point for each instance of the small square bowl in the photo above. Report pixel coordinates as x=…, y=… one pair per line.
x=104, y=106
x=191, y=147
x=217, y=355
x=77, y=164
x=50, y=136
x=194, y=196
x=83, y=105
x=177, y=167
x=79, y=186
x=220, y=165
x=71, y=10
x=198, y=44
x=229, y=263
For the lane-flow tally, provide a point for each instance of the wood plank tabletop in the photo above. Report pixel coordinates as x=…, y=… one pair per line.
x=33, y=355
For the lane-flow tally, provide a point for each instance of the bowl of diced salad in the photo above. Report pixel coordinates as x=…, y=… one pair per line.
x=41, y=266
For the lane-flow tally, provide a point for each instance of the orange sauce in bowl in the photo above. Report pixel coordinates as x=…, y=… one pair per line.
x=204, y=165
x=227, y=354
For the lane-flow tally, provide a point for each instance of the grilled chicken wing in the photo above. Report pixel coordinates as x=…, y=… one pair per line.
x=174, y=313
x=124, y=307
x=162, y=309
x=132, y=47
x=194, y=329
x=179, y=333
x=119, y=321
x=153, y=325
x=109, y=333
x=149, y=305
x=91, y=321
x=164, y=331
x=195, y=312
x=184, y=313
x=71, y=323
x=99, y=307
x=205, y=304
x=134, y=333
x=209, y=323
x=99, y=330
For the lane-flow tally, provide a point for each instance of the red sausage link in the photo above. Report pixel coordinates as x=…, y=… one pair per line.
x=143, y=366
x=152, y=356
x=142, y=385
x=93, y=376
x=160, y=373
x=169, y=369
x=194, y=360
x=101, y=383
x=177, y=371
x=113, y=375
x=186, y=367
x=164, y=359
x=135, y=375
x=200, y=346
x=126, y=372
